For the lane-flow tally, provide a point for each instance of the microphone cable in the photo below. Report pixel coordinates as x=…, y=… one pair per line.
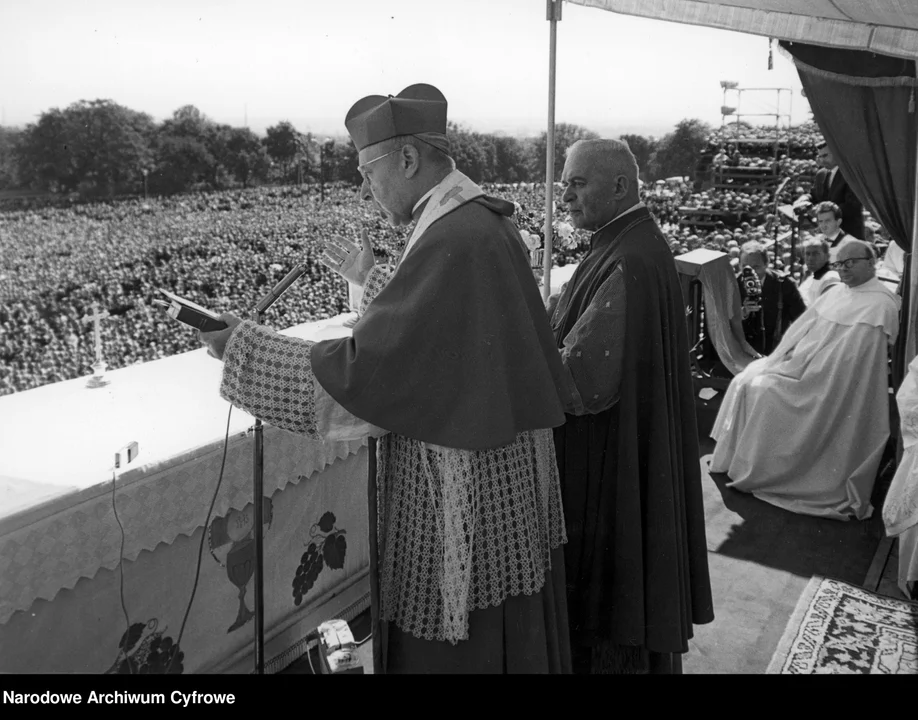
x=121, y=573
x=197, y=571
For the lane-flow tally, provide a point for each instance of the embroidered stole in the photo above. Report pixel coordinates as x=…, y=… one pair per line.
x=453, y=191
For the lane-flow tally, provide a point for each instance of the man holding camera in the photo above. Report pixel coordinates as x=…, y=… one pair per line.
x=771, y=301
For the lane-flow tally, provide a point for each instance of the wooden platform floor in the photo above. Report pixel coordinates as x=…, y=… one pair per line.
x=761, y=558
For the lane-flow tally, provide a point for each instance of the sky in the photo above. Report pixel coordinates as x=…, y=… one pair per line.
x=307, y=61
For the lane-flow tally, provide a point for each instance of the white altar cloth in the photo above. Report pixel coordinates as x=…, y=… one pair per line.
x=58, y=530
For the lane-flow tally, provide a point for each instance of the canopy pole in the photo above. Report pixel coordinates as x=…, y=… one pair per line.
x=553, y=10
x=911, y=345
x=908, y=313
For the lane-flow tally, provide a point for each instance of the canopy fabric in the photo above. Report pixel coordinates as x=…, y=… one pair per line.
x=888, y=27
x=864, y=105
x=851, y=67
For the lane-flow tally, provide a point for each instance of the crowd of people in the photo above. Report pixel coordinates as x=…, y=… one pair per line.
x=221, y=250
x=226, y=249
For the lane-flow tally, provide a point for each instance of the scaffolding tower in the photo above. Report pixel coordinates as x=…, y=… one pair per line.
x=726, y=111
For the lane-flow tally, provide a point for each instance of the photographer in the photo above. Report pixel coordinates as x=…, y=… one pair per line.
x=771, y=301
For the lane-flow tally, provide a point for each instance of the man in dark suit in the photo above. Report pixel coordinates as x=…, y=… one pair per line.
x=830, y=185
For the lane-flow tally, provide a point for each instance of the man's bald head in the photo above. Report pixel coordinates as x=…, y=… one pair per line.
x=862, y=259
x=612, y=156
x=601, y=181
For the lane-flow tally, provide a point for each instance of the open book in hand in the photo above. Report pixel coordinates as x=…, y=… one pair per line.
x=191, y=313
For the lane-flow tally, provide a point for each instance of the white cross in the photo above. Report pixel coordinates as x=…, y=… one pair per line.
x=97, y=318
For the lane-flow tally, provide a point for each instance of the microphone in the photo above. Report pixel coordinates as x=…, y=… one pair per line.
x=281, y=287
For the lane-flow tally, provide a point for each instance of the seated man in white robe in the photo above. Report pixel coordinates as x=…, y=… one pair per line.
x=900, y=509
x=805, y=428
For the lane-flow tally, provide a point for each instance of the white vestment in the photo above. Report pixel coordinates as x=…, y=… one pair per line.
x=811, y=288
x=900, y=510
x=805, y=428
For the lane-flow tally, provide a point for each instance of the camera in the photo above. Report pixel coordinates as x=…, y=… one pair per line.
x=752, y=286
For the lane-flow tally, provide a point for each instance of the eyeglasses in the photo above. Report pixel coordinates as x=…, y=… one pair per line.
x=362, y=168
x=847, y=264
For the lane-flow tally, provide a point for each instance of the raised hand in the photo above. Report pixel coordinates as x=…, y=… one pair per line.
x=353, y=262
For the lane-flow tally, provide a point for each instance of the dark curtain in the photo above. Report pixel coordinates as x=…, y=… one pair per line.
x=864, y=104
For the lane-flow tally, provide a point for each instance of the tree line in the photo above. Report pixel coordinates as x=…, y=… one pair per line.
x=99, y=148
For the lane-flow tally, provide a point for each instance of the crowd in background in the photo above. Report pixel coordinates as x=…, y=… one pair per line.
x=225, y=250
x=221, y=250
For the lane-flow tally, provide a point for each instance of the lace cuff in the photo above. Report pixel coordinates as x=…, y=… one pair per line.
x=270, y=376
x=376, y=280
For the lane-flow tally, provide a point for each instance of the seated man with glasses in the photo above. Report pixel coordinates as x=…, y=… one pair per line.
x=805, y=428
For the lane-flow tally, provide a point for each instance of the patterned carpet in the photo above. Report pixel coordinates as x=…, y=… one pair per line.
x=839, y=628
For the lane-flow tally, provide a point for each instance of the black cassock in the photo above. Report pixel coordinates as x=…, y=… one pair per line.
x=636, y=558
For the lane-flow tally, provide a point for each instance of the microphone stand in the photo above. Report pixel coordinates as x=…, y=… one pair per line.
x=777, y=200
x=795, y=225
x=762, y=332
x=259, y=482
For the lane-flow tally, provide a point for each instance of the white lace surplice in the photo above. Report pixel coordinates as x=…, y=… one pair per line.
x=462, y=530
x=459, y=530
